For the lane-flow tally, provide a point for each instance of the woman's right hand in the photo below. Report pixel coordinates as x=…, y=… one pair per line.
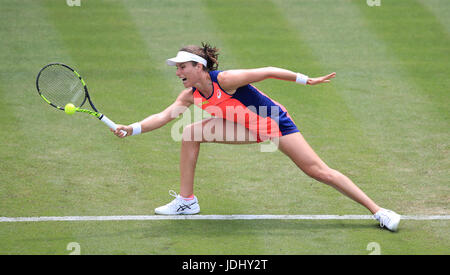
x=125, y=128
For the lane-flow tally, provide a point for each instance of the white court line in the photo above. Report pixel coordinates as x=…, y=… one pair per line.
x=214, y=217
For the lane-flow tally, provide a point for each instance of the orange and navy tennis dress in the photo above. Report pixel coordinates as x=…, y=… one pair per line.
x=248, y=106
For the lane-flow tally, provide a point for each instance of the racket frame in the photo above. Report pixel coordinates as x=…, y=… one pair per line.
x=94, y=113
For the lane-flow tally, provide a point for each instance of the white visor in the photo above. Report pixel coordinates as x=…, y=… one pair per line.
x=183, y=56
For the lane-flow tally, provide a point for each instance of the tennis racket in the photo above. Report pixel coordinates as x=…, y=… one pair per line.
x=59, y=84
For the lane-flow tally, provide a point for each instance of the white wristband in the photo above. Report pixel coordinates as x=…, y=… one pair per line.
x=136, y=128
x=301, y=78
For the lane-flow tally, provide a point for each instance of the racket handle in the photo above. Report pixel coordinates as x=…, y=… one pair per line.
x=111, y=124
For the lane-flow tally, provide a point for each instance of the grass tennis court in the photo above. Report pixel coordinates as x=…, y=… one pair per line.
x=383, y=121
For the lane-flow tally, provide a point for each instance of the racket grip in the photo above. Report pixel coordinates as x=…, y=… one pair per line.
x=111, y=124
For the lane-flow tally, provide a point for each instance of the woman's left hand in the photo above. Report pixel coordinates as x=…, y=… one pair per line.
x=322, y=79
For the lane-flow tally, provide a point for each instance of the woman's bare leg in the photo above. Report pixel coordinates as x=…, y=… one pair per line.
x=207, y=130
x=296, y=147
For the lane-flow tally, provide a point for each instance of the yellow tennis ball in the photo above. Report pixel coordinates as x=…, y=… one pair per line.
x=70, y=109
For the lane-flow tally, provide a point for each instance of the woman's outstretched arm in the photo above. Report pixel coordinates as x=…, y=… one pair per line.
x=155, y=121
x=233, y=79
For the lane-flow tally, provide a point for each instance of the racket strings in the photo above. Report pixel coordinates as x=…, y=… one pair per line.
x=60, y=86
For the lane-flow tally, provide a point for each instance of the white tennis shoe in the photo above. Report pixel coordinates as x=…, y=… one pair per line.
x=179, y=206
x=388, y=219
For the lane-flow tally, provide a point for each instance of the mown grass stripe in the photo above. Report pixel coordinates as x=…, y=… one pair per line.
x=419, y=45
x=398, y=120
x=89, y=162
x=28, y=159
x=441, y=10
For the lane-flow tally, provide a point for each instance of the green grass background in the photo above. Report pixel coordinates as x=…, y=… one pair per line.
x=383, y=121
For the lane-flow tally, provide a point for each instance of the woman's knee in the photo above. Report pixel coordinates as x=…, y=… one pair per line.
x=321, y=173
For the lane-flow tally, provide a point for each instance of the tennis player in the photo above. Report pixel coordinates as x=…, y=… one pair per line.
x=241, y=114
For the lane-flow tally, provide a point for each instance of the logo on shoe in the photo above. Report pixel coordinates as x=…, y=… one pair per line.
x=185, y=206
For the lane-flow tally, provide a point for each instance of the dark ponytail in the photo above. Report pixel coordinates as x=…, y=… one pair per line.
x=206, y=51
x=212, y=55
